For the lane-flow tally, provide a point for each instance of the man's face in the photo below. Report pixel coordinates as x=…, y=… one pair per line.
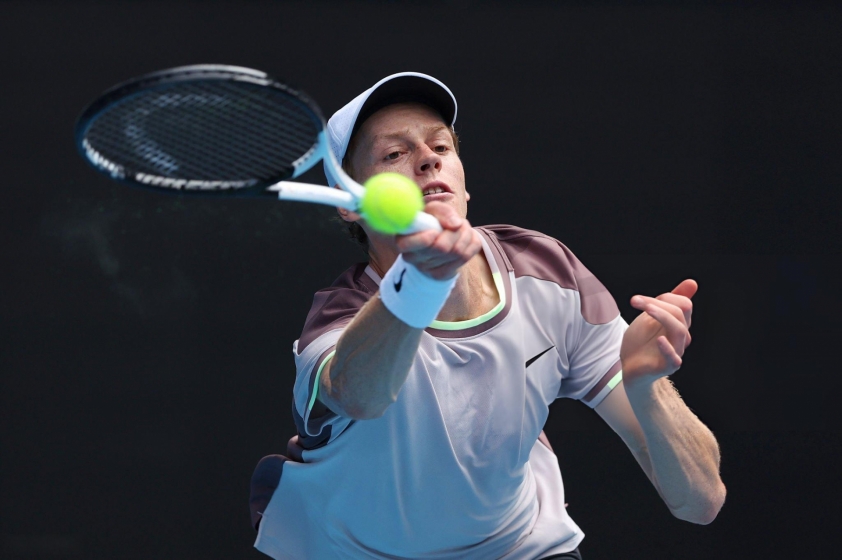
x=411, y=139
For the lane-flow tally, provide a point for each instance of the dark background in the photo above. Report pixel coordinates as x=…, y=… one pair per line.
x=146, y=349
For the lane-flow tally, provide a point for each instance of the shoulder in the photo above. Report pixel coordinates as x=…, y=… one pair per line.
x=350, y=289
x=533, y=254
x=355, y=279
x=333, y=307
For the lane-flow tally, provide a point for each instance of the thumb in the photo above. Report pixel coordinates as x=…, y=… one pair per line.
x=687, y=288
x=447, y=216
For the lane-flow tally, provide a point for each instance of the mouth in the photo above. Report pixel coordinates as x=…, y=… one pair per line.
x=433, y=188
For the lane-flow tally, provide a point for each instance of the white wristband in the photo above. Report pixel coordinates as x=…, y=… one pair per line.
x=412, y=296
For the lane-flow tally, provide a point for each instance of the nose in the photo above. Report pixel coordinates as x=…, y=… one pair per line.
x=427, y=161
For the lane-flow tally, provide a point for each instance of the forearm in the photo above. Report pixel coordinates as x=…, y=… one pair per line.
x=682, y=453
x=375, y=352
x=372, y=360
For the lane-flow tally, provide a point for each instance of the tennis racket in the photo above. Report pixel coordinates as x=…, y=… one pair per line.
x=216, y=130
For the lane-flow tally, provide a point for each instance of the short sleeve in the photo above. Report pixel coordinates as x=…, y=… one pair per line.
x=595, y=367
x=314, y=432
x=332, y=311
x=594, y=356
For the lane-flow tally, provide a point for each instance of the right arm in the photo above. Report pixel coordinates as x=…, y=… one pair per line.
x=376, y=350
x=372, y=360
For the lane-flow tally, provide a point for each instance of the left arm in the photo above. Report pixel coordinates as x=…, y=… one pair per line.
x=677, y=452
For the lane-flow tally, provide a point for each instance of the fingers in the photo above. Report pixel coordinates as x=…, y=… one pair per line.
x=438, y=245
x=684, y=304
x=668, y=352
x=677, y=333
x=673, y=308
x=687, y=288
x=449, y=219
x=468, y=243
x=667, y=319
x=447, y=216
x=441, y=254
x=674, y=303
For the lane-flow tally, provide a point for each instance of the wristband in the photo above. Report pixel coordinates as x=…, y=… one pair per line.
x=412, y=296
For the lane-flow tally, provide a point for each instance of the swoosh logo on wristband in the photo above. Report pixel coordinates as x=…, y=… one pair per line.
x=532, y=359
x=399, y=283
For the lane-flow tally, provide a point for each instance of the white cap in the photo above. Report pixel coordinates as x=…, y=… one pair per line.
x=397, y=88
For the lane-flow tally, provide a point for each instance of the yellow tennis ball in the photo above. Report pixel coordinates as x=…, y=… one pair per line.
x=391, y=202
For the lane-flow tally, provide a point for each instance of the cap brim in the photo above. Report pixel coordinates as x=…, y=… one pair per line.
x=406, y=89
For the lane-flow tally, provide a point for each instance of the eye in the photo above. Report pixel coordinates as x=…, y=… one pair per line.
x=441, y=149
x=393, y=155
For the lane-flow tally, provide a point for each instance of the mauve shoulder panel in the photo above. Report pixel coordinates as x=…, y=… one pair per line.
x=334, y=307
x=540, y=256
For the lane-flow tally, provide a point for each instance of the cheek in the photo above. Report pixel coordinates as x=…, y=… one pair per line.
x=365, y=168
x=404, y=168
x=459, y=175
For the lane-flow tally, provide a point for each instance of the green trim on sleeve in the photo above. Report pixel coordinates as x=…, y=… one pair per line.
x=459, y=325
x=316, y=381
x=614, y=380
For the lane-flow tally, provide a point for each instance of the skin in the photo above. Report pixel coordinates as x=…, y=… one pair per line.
x=375, y=352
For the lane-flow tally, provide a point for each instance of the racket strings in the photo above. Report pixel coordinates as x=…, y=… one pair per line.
x=242, y=159
x=215, y=131
x=261, y=129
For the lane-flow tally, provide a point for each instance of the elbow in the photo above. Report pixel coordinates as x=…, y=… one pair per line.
x=699, y=516
x=705, y=509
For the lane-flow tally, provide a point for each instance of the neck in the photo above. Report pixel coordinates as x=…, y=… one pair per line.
x=473, y=295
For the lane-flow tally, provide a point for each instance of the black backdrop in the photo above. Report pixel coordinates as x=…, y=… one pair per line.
x=146, y=350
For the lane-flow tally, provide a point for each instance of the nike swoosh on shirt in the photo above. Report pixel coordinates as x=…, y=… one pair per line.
x=399, y=283
x=533, y=358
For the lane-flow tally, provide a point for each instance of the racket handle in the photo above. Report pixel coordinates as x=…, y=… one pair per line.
x=305, y=192
x=423, y=222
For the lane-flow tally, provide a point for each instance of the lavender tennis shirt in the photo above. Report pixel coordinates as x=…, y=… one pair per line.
x=453, y=469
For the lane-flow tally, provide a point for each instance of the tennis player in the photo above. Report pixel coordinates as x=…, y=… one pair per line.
x=424, y=375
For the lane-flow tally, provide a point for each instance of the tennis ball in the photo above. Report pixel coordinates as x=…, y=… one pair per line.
x=391, y=202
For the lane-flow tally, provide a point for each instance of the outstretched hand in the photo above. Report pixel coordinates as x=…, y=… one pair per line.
x=654, y=343
x=439, y=255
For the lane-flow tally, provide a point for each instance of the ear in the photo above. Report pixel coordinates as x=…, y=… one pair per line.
x=347, y=215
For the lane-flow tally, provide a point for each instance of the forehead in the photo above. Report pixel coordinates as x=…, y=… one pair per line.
x=400, y=118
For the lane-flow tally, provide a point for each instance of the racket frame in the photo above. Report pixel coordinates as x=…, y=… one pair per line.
x=348, y=196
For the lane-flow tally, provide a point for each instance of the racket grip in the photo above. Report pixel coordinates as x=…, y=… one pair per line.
x=423, y=222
